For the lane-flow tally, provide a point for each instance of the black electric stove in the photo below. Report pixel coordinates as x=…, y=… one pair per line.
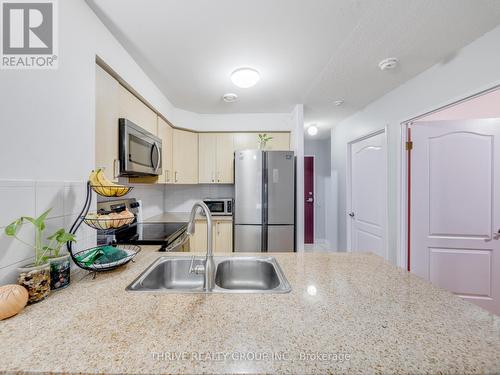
x=139, y=233
x=163, y=234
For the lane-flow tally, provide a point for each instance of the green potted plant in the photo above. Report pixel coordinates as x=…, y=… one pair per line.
x=35, y=276
x=59, y=263
x=263, y=139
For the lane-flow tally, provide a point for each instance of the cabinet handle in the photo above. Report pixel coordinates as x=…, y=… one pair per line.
x=116, y=171
x=166, y=176
x=218, y=176
x=213, y=177
x=175, y=177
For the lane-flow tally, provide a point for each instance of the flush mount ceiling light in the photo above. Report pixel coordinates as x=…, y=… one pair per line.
x=388, y=64
x=338, y=103
x=312, y=130
x=230, y=97
x=245, y=77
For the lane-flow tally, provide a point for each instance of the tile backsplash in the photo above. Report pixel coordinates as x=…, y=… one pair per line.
x=180, y=198
x=31, y=198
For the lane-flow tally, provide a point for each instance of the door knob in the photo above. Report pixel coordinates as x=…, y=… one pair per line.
x=496, y=236
x=351, y=214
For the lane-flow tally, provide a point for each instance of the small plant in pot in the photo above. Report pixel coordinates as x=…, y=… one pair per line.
x=263, y=139
x=59, y=264
x=36, y=277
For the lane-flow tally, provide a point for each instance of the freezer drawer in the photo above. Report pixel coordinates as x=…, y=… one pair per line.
x=281, y=238
x=247, y=238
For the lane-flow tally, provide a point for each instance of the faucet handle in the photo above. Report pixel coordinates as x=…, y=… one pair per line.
x=198, y=269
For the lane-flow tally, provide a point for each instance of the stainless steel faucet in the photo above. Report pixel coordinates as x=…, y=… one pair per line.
x=208, y=268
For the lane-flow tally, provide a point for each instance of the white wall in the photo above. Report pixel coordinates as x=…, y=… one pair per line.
x=297, y=143
x=472, y=69
x=320, y=149
x=32, y=198
x=231, y=122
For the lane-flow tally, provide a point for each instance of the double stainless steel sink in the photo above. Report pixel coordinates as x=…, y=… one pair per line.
x=256, y=274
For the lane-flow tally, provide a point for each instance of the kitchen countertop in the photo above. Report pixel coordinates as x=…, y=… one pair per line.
x=183, y=217
x=347, y=313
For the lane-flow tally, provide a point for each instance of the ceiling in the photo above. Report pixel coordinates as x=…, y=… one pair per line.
x=310, y=52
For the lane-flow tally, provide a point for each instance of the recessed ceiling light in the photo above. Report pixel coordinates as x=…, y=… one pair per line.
x=312, y=130
x=230, y=97
x=338, y=103
x=388, y=64
x=245, y=77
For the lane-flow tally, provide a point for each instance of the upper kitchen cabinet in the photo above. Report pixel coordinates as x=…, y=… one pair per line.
x=106, y=124
x=216, y=158
x=166, y=134
x=131, y=108
x=250, y=141
x=185, y=157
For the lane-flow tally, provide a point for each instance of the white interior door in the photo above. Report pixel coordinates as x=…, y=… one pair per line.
x=367, y=204
x=455, y=207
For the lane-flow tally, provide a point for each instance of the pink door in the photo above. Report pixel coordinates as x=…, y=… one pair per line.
x=308, y=199
x=455, y=208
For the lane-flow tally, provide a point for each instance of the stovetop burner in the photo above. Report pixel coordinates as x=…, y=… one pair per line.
x=162, y=234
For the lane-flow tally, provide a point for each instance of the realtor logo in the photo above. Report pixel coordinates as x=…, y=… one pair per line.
x=29, y=34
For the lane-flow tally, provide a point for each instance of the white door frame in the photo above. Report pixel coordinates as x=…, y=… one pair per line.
x=403, y=171
x=314, y=197
x=349, y=185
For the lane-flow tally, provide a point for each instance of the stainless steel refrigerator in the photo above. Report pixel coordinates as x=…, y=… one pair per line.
x=264, y=202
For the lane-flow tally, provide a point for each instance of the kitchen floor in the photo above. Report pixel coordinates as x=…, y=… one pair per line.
x=311, y=248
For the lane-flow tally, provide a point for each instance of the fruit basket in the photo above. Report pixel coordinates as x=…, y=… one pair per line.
x=111, y=190
x=98, y=258
x=95, y=259
x=105, y=187
x=108, y=222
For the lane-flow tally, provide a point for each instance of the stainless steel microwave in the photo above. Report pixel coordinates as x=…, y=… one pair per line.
x=220, y=207
x=139, y=150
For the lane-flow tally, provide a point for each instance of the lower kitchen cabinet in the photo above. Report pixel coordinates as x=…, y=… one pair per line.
x=222, y=236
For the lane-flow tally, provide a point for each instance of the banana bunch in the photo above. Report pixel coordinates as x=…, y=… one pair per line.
x=104, y=186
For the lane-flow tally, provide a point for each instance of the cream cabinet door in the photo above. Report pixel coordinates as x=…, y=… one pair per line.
x=207, y=162
x=225, y=158
x=185, y=157
x=223, y=237
x=166, y=133
x=106, y=124
x=198, y=242
x=136, y=111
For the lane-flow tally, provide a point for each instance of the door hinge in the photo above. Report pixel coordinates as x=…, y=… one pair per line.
x=409, y=145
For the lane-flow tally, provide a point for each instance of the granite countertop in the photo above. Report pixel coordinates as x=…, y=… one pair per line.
x=347, y=313
x=181, y=217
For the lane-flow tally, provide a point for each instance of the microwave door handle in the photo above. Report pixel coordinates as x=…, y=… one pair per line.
x=158, y=157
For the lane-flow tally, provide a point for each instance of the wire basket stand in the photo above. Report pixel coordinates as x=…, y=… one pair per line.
x=112, y=225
